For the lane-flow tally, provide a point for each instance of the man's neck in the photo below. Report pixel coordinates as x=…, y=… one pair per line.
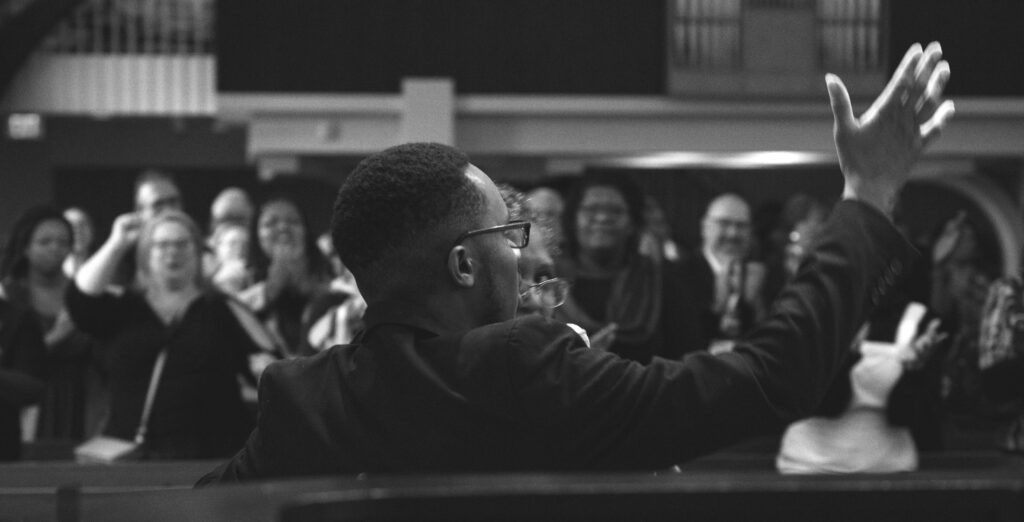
x=440, y=313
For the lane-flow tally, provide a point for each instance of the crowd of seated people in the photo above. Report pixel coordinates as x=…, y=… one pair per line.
x=161, y=310
x=602, y=258
x=84, y=330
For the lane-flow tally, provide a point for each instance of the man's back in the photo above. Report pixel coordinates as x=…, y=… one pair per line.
x=528, y=395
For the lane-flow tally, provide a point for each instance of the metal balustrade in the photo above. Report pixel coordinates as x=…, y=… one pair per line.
x=852, y=36
x=708, y=34
x=155, y=57
x=123, y=57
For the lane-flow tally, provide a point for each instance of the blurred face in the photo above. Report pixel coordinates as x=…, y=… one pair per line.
x=280, y=227
x=173, y=259
x=726, y=227
x=655, y=221
x=156, y=196
x=547, y=206
x=49, y=245
x=545, y=203
x=602, y=221
x=535, y=266
x=232, y=206
x=498, y=285
x=82, y=228
x=232, y=243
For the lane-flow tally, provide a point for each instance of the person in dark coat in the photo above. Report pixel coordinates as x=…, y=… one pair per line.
x=446, y=379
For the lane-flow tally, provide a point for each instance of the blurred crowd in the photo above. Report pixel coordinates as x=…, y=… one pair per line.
x=93, y=328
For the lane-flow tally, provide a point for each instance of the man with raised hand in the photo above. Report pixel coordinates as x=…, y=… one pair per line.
x=445, y=379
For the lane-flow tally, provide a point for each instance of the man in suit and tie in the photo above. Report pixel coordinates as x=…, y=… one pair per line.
x=726, y=284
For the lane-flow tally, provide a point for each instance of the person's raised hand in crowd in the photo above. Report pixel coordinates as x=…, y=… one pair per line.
x=924, y=346
x=126, y=230
x=99, y=270
x=877, y=150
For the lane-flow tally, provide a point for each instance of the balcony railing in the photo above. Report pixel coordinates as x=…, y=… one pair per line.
x=124, y=57
x=773, y=47
x=706, y=34
x=852, y=36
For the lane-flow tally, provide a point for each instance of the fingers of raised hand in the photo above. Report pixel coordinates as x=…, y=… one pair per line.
x=934, y=111
x=932, y=128
x=896, y=94
x=923, y=73
x=902, y=79
x=127, y=223
x=932, y=96
x=842, y=109
x=924, y=344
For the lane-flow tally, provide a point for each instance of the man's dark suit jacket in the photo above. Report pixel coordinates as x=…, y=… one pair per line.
x=701, y=280
x=528, y=394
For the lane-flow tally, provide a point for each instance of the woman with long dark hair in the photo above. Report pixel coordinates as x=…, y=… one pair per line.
x=33, y=279
x=289, y=270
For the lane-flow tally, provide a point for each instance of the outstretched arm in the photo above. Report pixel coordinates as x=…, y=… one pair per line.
x=633, y=416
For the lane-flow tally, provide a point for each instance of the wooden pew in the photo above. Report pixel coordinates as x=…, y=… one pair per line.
x=725, y=487
x=30, y=490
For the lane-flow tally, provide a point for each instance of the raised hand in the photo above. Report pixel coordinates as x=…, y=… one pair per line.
x=877, y=150
x=126, y=229
x=924, y=346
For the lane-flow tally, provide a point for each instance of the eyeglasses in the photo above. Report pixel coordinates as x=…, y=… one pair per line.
x=611, y=211
x=517, y=233
x=722, y=222
x=551, y=293
x=167, y=244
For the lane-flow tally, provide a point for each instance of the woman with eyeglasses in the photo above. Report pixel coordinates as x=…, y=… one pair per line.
x=197, y=409
x=628, y=303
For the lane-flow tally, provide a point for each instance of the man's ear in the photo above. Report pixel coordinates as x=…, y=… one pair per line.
x=461, y=266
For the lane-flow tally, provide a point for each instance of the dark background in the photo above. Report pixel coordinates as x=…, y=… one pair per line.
x=546, y=46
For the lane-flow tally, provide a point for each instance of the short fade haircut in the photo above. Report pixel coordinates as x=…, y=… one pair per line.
x=397, y=198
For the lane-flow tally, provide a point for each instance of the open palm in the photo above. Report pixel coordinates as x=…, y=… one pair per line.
x=877, y=150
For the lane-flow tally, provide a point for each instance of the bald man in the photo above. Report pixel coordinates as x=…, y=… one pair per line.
x=726, y=283
x=232, y=205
